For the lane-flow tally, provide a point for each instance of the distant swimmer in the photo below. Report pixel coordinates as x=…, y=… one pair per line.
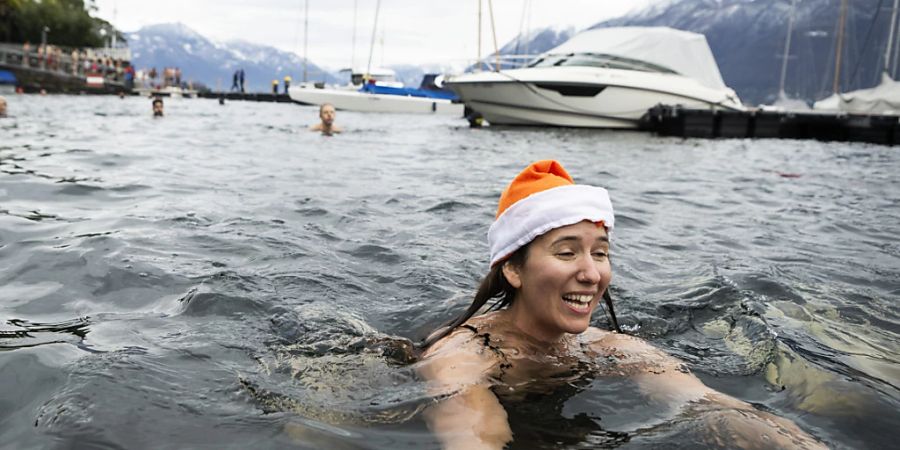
x=2, y=107
x=327, y=126
x=157, y=107
x=550, y=268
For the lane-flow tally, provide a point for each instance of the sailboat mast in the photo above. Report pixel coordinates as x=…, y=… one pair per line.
x=840, y=46
x=478, y=56
x=896, y=55
x=527, y=29
x=787, y=48
x=887, y=53
x=519, y=37
x=353, y=47
x=494, y=31
x=372, y=45
x=305, y=38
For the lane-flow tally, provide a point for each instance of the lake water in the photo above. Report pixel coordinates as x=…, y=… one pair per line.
x=224, y=278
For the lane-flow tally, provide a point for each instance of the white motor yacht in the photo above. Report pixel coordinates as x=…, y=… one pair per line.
x=603, y=78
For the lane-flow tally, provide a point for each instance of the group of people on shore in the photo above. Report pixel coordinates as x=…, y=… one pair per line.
x=168, y=76
x=78, y=62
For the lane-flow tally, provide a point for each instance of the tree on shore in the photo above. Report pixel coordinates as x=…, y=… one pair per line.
x=69, y=22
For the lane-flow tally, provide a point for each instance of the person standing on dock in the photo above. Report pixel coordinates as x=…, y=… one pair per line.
x=275, y=87
x=129, y=76
x=234, y=81
x=26, y=51
x=287, y=83
x=241, y=79
x=326, y=126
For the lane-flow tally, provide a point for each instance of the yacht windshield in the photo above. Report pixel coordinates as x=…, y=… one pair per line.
x=599, y=60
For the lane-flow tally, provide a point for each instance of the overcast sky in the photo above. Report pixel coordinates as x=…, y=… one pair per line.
x=413, y=31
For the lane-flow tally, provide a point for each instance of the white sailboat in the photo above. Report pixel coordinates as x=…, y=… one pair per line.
x=783, y=102
x=378, y=94
x=881, y=99
x=363, y=101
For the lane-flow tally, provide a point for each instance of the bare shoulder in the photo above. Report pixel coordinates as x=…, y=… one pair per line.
x=316, y=127
x=459, y=357
x=634, y=353
x=600, y=339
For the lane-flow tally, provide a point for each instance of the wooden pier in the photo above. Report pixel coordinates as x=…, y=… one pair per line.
x=823, y=126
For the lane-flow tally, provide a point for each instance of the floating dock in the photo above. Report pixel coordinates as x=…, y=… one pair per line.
x=247, y=96
x=823, y=126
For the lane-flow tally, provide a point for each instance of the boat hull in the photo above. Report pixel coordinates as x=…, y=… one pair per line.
x=365, y=102
x=597, y=98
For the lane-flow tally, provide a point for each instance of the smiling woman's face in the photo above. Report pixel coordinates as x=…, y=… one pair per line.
x=564, y=275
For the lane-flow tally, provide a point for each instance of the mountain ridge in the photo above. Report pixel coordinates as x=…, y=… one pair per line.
x=213, y=63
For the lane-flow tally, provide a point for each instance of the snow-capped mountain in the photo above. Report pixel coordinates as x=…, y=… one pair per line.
x=213, y=63
x=747, y=38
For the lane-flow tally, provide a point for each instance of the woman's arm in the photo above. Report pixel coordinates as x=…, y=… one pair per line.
x=659, y=375
x=665, y=378
x=470, y=417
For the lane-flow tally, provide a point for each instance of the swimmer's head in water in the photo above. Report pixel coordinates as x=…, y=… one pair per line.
x=157, y=107
x=541, y=198
x=327, y=114
x=562, y=280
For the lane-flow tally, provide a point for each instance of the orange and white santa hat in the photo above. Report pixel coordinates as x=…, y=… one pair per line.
x=541, y=198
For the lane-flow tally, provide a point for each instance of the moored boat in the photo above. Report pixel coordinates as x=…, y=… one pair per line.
x=374, y=97
x=605, y=78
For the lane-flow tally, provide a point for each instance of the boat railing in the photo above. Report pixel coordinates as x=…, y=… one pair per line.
x=504, y=62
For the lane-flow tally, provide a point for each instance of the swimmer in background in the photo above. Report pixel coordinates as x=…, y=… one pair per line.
x=157, y=107
x=327, y=116
x=2, y=106
x=550, y=267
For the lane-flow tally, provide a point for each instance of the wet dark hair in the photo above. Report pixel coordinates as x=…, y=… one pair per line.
x=156, y=100
x=495, y=285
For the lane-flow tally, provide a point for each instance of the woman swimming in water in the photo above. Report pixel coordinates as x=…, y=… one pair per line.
x=549, y=269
